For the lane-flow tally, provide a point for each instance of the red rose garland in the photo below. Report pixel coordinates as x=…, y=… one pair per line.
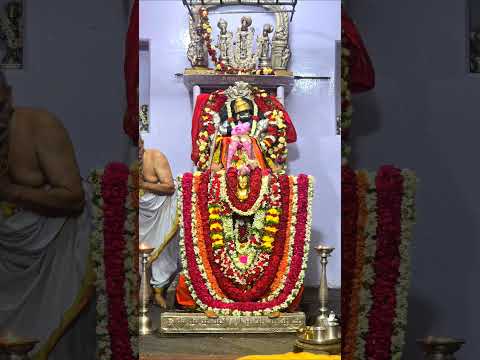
x=114, y=190
x=259, y=289
x=280, y=132
x=389, y=183
x=349, y=230
x=193, y=275
x=232, y=185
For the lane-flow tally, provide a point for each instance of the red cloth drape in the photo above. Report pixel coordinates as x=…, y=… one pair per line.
x=130, y=121
x=362, y=74
x=200, y=104
x=291, y=132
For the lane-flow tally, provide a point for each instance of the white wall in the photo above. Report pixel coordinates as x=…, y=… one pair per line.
x=314, y=30
x=74, y=68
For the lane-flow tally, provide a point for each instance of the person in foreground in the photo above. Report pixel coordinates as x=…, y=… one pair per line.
x=44, y=235
x=157, y=218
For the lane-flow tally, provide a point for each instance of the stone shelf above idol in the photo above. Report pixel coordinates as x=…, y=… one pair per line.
x=205, y=80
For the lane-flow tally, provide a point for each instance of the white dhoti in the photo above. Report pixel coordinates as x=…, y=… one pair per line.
x=43, y=264
x=158, y=229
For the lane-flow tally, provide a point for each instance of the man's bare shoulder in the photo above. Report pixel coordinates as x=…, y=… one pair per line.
x=41, y=121
x=155, y=154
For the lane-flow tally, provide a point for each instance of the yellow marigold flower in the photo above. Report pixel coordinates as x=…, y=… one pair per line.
x=216, y=226
x=209, y=30
x=213, y=209
x=214, y=217
x=272, y=219
x=218, y=67
x=264, y=94
x=217, y=237
x=218, y=243
x=273, y=211
x=271, y=229
x=267, y=239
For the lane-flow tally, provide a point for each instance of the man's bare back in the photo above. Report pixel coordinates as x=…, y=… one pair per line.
x=156, y=178
x=156, y=173
x=43, y=175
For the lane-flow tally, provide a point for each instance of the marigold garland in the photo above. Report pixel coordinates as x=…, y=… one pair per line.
x=258, y=299
x=273, y=145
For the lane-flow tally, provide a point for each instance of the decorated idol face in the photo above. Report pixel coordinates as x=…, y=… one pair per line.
x=267, y=29
x=222, y=25
x=244, y=116
x=246, y=22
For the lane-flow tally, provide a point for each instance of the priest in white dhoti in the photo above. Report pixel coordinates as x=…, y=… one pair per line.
x=44, y=236
x=158, y=219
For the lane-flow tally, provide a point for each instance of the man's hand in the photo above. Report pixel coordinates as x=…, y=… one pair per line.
x=158, y=188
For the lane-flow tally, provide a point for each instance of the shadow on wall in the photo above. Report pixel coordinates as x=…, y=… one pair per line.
x=367, y=120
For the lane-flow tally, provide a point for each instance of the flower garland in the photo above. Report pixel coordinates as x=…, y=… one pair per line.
x=349, y=218
x=274, y=144
x=379, y=286
x=114, y=245
x=243, y=261
x=220, y=66
x=200, y=268
x=352, y=307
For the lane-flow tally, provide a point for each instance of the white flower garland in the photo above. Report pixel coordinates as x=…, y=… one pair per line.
x=189, y=284
x=131, y=278
x=104, y=351
x=96, y=242
x=407, y=222
x=256, y=205
x=368, y=272
x=198, y=257
x=291, y=234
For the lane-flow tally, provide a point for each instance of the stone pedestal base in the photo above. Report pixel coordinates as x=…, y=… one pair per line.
x=199, y=323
